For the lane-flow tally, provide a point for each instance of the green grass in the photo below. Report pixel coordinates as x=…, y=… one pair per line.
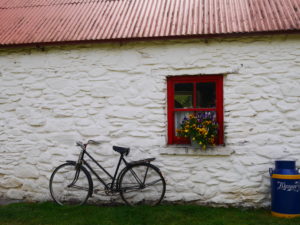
x=50, y=213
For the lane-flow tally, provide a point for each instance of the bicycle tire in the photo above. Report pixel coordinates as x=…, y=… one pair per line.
x=148, y=188
x=63, y=176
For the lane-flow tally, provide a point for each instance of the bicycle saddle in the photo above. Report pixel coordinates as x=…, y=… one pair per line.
x=121, y=150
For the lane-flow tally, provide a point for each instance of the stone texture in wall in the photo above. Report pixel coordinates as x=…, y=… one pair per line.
x=117, y=94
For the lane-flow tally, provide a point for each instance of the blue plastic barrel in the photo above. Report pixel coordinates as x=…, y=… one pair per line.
x=285, y=189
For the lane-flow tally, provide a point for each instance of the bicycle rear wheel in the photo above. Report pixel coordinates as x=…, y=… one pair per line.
x=142, y=184
x=69, y=185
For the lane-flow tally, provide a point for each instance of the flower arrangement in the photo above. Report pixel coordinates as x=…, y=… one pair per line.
x=201, y=128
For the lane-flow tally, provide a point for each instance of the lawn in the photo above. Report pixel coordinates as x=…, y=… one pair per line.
x=50, y=213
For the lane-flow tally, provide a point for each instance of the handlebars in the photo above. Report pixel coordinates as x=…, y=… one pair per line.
x=83, y=146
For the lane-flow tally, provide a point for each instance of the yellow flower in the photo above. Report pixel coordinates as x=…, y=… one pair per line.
x=191, y=116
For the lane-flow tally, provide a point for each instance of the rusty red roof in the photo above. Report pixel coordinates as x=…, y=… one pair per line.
x=56, y=21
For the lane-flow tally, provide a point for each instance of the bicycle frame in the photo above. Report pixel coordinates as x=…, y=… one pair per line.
x=75, y=185
x=113, y=178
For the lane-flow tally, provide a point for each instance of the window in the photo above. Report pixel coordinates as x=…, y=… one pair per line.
x=191, y=94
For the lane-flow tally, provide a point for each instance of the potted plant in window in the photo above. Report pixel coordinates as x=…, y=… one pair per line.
x=201, y=128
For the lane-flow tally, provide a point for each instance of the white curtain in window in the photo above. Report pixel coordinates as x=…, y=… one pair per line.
x=179, y=116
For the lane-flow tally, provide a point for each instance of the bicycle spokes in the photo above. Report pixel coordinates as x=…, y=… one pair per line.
x=142, y=184
x=69, y=185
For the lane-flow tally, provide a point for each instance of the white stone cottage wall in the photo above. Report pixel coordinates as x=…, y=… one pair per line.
x=116, y=93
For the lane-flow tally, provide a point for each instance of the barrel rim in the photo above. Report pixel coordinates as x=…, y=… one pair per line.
x=286, y=176
x=284, y=215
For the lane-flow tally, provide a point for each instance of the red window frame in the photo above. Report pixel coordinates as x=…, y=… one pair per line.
x=171, y=81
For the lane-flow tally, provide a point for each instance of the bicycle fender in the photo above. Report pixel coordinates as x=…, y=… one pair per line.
x=143, y=163
x=119, y=176
x=148, y=160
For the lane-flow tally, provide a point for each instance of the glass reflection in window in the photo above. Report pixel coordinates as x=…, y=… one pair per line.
x=206, y=95
x=183, y=95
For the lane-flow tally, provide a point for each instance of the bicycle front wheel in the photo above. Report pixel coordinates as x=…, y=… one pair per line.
x=142, y=184
x=70, y=185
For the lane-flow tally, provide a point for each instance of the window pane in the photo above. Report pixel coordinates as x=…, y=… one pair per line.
x=183, y=95
x=206, y=95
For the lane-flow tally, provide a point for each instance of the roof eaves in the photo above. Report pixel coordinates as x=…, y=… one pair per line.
x=162, y=38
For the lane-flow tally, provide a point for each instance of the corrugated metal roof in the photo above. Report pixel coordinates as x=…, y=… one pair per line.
x=46, y=21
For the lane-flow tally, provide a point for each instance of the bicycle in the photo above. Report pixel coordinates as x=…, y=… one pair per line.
x=139, y=182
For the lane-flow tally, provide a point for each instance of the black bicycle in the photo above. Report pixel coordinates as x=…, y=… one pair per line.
x=139, y=182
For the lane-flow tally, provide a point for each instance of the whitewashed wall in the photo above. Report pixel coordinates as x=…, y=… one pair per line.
x=116, y=93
